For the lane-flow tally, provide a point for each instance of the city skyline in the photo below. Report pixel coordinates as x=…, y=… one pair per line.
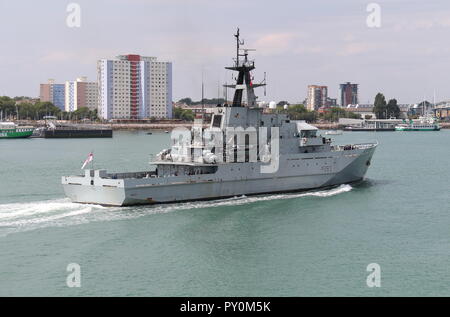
x=404, y=59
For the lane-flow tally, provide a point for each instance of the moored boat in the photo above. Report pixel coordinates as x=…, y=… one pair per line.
x=53, y=130
x=424, y=124
x=10, y=130
x=333, y=132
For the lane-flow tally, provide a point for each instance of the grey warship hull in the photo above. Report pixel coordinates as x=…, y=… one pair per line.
x=310, y=171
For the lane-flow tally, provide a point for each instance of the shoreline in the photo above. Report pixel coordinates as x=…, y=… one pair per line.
x=165, y=126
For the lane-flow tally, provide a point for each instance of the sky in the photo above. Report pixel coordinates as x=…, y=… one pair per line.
x=297, y=43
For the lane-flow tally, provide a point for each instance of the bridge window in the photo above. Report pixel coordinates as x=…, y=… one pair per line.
x=308, y=133
x=217, y=120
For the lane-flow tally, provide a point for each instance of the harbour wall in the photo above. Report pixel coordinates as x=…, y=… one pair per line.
x=165, y=125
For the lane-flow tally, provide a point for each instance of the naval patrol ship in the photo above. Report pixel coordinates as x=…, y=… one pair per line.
x=245, y=150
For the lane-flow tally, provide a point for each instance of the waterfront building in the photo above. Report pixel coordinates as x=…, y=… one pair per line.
x=366, y=110
x=81, y=93
x=317, y=97
x=331, y=102
x=442, y=110
x=348, y=94
x=134, y=87
x=54, y=93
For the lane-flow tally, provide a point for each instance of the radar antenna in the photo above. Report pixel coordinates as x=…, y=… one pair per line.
x=265, y=83
x=238, y=43
x=244, y=79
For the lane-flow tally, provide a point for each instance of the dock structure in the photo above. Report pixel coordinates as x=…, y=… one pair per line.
x=442, y=112
x=370, y=124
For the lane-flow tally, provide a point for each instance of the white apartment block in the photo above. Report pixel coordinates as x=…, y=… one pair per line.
x=317, y=97
x=81, y=93
x=134, y=87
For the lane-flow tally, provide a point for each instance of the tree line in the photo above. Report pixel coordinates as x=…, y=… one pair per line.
x=183, y=114
x=385, y=110
x=299, y=112
x=37, y=111
x=213, y=101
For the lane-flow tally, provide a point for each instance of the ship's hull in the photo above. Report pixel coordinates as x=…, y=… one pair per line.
x=369, y=129
x=294, y=175
x=76, y=133
x=15, y=134
x=417, y=129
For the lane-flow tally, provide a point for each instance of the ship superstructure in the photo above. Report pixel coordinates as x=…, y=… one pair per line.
x=245, y=150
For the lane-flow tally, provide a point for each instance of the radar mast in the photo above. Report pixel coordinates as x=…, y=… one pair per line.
x=244, y=78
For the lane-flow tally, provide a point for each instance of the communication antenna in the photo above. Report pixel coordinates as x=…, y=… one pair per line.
x=226, y=92
x=218, y=91
x=203, y=99
x=264, y=82
x=238, y=43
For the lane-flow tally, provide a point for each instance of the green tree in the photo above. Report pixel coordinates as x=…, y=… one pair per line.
x=26, y=111
x=379, y=106
x=392, y=109
x=183, y=114
x=206, y=101
x=177, y=112
x=8, y=106
x=334, y=113
x=82, y=113
x=282, y=103
x=187, y=115
x=46, y=109
x=186, y=100
x=299, y=112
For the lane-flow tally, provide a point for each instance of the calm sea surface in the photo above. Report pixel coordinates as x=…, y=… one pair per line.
x=307, y=244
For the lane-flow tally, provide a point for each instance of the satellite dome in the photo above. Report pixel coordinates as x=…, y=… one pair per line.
x=285, y=106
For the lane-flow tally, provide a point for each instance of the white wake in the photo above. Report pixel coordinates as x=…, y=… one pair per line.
x=19, y=217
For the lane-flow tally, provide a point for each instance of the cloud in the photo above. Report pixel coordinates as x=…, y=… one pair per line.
x=356, y=48
x=86, y=56
x=275, y=43
x=57, y=57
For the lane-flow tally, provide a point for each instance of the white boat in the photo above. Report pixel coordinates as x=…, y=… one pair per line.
x=427, y=123
x=333, y=132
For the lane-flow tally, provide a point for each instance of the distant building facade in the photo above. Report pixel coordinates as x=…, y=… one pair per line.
x=81, y=93
x=54, y=93
x=442, y=111
x=331, y=102
x=348, y=94
x=134, y=87
x=366, y=110
x=317, y=97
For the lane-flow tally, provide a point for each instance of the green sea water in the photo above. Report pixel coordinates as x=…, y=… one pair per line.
x=316, y=243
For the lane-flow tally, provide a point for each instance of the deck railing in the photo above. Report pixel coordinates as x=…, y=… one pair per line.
x=358, y=146
x=131, y=175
